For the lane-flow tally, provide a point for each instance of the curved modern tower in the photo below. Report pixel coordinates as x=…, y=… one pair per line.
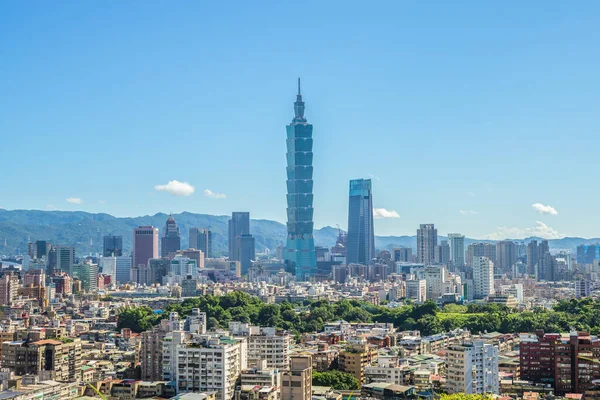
x=300, y=248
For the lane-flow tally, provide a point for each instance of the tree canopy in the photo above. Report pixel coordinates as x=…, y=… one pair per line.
x=311, y=316
x=337, y=380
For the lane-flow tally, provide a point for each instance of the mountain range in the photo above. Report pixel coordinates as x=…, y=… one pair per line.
x=85, y=230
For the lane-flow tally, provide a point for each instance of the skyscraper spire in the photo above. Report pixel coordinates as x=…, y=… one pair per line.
x=299, y=107
x=300, y=256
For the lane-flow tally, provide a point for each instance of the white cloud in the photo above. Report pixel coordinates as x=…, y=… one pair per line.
x=472, y=194
x=101, y=201
x=540, y=230
x=50, y=207
x=468, y=212
x=381, y=213
x=213, y=195
x=542, y=209
x=373, y=177
x=74, y=200
x=176, y=188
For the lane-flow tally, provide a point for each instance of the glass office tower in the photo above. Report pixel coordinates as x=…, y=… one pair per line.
x=300, y=248
x=361, y=234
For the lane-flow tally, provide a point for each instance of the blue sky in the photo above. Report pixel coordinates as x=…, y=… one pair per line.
x=481, y=107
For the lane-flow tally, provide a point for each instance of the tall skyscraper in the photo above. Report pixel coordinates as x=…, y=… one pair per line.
x=300, y=247
x=361, y=234
x=61, y=259
x=113, y=246
x=532, y=257
x=170, y=241
x=246, y=251
x=457, y=249
x=239, y=225
x=201, y=239
x=588, y=253
x=483, y=277
x=480, y=250
x=506, y=256
x=39, y=249
x=442, y=253
x=145, y=245
x=426, y=242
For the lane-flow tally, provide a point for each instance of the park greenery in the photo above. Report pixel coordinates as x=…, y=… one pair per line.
x=428, y=318
x=337, y=380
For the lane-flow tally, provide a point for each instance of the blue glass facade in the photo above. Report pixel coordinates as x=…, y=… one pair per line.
x=361, y=235
x=300, y=248
x=587, y=253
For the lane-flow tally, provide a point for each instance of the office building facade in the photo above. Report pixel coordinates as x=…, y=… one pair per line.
x=457, y=249
x=239, y=225
x=112, y=246
x=145, y=244
x=361, y=234
x=170, y=241
x=300, y=254
x=201, y=239
x=245, y=246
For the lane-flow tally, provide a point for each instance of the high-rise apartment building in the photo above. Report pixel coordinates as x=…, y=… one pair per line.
x=300, y=245
x=355, y=358
x=457, y=249
x=532, y=257
x=582, y=288
x=361, y=233
x=476, y=250
x=145, y=245
x=472, y=368
x=63, y=360
x=506, y=256
x=201, y=239
x=416, y=289
x=571, y=363
x=483, y=277
x=426, y=242
x=239, y=225
x=442, y=253
x=112, y=246
x=435, y=277
x=151, y=352
x=212, y=363
x=264, y=343
x=170, y=241
x=9, y=287
x=296, y=383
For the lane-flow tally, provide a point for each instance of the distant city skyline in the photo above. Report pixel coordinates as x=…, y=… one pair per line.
x=475, y=133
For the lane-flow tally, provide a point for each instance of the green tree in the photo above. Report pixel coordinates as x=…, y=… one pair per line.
x=337, y=380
